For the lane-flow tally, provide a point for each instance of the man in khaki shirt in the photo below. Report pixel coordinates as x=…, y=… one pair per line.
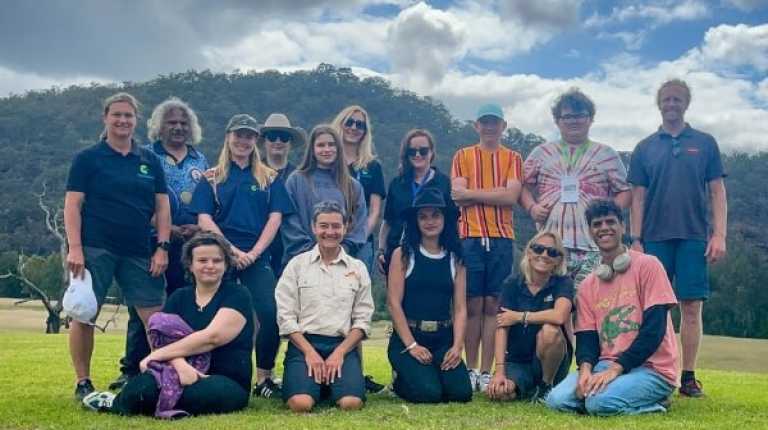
x=324, y=307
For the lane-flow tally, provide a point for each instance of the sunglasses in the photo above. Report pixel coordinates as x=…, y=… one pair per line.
x=358, y=124
x=275, y=135
x=411, y=152
x=541, y=249
x=675, y=147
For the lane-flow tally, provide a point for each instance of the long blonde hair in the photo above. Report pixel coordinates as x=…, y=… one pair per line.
x=365, y=150
x=338, y=170
x=263, y=175
x=525, y=264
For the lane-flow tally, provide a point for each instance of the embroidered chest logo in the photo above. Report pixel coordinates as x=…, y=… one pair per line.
x=144, y=171
x=617, y=322
x=254, y=188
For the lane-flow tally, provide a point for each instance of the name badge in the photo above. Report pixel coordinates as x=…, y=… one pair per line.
x=569, y=189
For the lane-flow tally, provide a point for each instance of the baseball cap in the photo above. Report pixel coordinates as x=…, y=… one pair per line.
x=243, y=121
x=490, y=109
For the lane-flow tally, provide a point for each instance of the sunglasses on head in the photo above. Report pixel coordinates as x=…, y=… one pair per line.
x=411, y=152
x=358, y=124
x=541, y=249
x=275, y=135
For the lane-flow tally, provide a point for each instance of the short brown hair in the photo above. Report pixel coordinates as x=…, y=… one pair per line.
x=206, y=238
x=677, y=83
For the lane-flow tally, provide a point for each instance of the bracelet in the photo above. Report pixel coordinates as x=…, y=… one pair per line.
x=525, y=319
x=409, y=347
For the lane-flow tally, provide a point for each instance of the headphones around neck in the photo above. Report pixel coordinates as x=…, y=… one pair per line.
x=620, y=264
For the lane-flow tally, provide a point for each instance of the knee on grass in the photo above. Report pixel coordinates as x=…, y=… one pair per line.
x=350, y=403
x=300, y=403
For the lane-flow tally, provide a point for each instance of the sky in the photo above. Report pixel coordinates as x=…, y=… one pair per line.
x=518, y=53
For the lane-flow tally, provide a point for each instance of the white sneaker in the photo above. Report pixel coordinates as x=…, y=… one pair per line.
x=483, y=381
x=473, y=377
x=99, y=401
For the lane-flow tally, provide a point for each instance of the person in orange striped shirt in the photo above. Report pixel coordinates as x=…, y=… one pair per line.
x=485, y=184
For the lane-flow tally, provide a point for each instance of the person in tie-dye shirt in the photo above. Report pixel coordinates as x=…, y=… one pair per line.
x=561, y=178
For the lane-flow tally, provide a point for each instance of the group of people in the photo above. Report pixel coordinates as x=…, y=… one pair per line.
x=253, y=249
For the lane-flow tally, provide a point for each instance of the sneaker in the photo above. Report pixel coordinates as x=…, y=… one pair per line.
x=83, y=388
x=483, y=381
x=372, y=386
x=118, y=383
x=267, y=389
x=540, y=396
x=474, y=375
x=99, y=401
x=692, y=388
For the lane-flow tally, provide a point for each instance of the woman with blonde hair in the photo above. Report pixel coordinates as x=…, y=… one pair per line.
x=322, y=176
x=354, y=127
x=244, y=201
x=532, y=350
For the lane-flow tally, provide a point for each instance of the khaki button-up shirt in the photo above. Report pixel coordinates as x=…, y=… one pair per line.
x=325, y=299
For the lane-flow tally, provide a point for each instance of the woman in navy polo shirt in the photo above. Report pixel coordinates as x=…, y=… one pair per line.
x=427, y=299
x=114, y=190
x=354, y=127
x=245, y=201
x=417, y=154
x=532, y=350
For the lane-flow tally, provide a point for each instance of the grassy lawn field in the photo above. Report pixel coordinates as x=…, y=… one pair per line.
x=36, y=393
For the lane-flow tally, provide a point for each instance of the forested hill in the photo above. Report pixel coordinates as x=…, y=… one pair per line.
x=41, y=131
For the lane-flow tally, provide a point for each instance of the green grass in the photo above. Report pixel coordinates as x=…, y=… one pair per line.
x=36, y=393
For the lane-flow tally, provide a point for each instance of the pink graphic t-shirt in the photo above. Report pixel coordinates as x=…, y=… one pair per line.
x=615, y=310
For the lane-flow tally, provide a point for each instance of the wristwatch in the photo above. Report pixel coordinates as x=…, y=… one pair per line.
x=164, y=245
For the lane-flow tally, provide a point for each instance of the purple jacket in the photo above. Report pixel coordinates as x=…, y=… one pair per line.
x=165, y=329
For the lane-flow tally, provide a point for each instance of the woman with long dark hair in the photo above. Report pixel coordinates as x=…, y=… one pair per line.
x=427, y=300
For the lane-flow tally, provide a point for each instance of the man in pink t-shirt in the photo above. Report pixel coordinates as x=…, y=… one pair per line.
x=626, y=348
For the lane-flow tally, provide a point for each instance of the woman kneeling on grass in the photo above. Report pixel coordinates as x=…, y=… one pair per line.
x=201, y=358
x=532, y=349
x=426, y=280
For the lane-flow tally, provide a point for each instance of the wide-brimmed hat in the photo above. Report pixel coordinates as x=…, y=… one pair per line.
x=428, y=197
x=243, y=121
x=280, y=122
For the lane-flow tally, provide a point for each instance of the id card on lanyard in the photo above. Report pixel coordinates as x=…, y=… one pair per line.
x=416, y=187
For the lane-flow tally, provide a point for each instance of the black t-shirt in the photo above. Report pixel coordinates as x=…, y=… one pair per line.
x=429, y=287
x=119, y=197
x=232, y=360
x=676, y=198
x=515, y=296
x=371, y=178
x=400, y=197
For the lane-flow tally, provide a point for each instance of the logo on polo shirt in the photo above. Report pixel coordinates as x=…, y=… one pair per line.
x=144, y=171
x=549, y=298
x=196, y=175
x=254, y=188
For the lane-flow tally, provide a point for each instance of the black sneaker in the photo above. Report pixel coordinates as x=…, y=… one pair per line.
x=692, y=388
x=372, y=386
x=540, y=396
x=118, y=383
x=267, y=389
x=83, y=388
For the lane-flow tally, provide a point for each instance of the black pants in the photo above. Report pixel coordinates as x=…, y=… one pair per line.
x=136, y=344
x=260, y=281
x=426, y=383
x=215, y=394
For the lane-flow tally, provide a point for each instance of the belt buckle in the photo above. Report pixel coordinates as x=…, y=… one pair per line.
x=429, y=326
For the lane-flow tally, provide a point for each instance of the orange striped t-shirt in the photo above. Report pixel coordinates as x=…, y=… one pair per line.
x=486, y=170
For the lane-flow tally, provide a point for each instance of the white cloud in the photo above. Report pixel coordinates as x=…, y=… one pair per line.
x=657, y=12
x=12, y=82
x=748, y=5
x=633, y=41
x=548, y=13
x=735, y=46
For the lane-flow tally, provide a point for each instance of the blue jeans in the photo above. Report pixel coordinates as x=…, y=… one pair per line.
x=640, y=391
x=365, y=254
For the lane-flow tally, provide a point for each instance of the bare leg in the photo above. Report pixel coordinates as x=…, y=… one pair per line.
x=550, y=349
x=690, y=331
x=474, y=330
x=81, y=349
x=490, y=309
x=301, y=403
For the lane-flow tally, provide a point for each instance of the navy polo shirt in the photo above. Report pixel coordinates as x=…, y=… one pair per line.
x=371, y=177
x=676, y=197
x=515, y=296
x=182, y=177
x=119, y=197
x=244, y=207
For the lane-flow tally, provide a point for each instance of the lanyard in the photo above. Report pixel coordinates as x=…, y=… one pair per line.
x=416, y=187
x=572, y=158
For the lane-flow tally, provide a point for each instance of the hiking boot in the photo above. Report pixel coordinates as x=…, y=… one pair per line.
x=83, y=388
x=372, y=386
x=483, y=381
x=267, y=389
x=120, y=382
x=691, y=388
x=99, y=401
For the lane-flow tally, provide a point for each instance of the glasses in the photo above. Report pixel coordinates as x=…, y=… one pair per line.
x=358, y=124
x=675, y=147
x=574, y=116
x=275, y=135
x=411, y=152
x=538, y=249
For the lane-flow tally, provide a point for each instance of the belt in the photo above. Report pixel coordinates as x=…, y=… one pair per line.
x=429, y=326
